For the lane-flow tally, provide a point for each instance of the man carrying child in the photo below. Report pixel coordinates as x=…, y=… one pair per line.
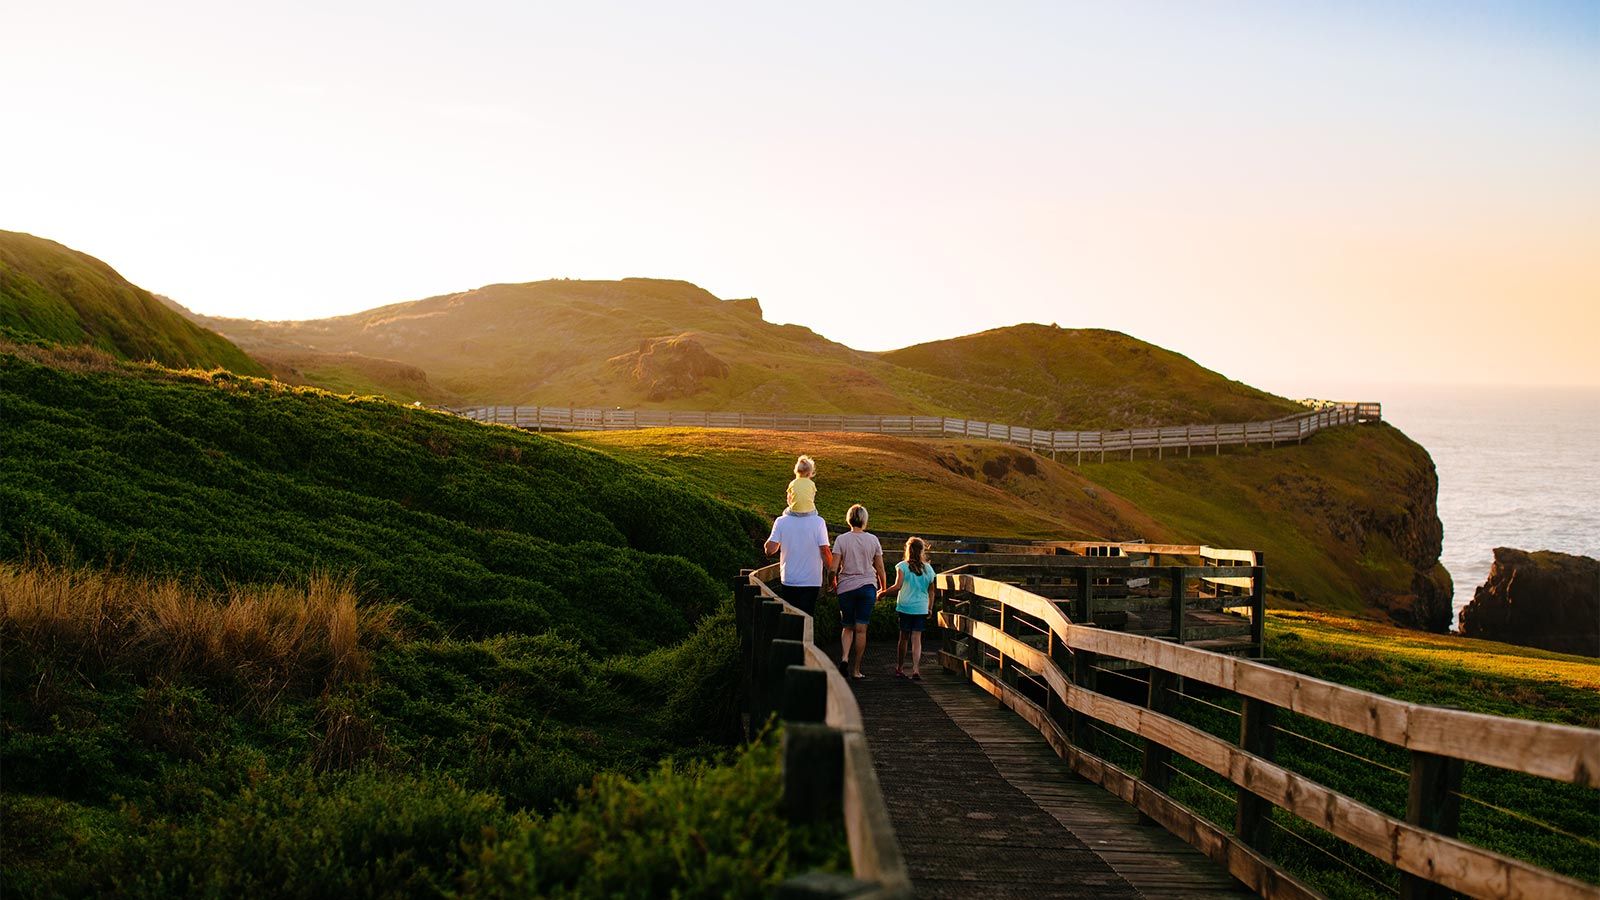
x=800, y=539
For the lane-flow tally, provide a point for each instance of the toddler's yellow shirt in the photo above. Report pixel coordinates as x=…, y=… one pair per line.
x=803, y=495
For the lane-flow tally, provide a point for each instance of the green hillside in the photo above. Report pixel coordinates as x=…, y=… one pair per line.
x=263, y=639
x=649, y=344
x=1346, y=520
x=1085, y=378
x=57, y=294
x=637, y=342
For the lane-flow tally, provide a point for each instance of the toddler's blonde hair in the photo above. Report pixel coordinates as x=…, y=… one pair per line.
x=804, y=467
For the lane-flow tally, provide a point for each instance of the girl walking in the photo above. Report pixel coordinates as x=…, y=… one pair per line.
x=913, y=585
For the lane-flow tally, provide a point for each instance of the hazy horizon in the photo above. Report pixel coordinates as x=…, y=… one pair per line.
x=1286, y=195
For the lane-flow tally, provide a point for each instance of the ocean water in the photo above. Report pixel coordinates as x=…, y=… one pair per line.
x=1518, y=467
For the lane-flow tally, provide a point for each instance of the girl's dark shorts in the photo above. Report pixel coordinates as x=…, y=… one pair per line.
x=910, y=622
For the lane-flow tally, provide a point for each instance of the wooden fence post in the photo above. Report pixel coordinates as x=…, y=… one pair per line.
x=1256, y=735
x=783, y=654
x=1175, y=601
x=1083, y=676
x=1157, y=758
x=791, y=627
x=1435, y=804
x=1258, y=608
x=1086, y=595
x=813, y=772
x=1005, y=661
x=805, y=695
x=769, y=615
x=745, y=599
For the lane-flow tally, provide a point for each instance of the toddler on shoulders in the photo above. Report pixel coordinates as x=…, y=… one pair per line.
x=802, y=490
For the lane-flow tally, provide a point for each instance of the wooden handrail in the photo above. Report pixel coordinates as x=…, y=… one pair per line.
x=1557, y=752
x=874, y=853
x=1293, y=428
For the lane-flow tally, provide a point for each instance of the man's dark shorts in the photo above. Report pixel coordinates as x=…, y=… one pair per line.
x=801, y=598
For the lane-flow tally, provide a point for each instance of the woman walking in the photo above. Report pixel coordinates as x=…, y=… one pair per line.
x=858, y=570
x=913, y=584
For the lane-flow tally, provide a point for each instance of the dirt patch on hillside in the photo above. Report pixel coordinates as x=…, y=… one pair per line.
x=668, y=368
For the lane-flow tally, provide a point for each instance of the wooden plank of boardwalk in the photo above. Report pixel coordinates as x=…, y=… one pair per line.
x=984, y=808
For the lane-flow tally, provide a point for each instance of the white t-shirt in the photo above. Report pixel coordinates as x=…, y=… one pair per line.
x=854, y=552
x=800, y=560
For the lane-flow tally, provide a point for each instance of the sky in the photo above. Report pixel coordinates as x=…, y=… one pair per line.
x=1297, y=195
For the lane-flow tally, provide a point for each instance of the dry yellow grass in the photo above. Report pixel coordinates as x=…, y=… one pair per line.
x=266, y=639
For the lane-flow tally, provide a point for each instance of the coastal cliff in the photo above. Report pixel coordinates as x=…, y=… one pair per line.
x=1546, y=599
x=1348, y=520
x=1412, y=527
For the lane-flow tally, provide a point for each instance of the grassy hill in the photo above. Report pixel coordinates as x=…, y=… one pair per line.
x=57, y=294
x=636, y=342
x=644, y=343
x=937, y=487
x=1088, y=377
x=1346, y=520
x=256, y=638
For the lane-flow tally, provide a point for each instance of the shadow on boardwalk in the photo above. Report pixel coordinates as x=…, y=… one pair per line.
x=983, y=808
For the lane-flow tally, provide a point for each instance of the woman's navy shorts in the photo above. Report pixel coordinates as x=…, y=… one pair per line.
x=910, y=622
x=855, y=606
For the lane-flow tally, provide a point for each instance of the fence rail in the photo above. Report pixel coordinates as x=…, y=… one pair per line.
x=827, y=767
x=1422, y=845
x=1186, y=438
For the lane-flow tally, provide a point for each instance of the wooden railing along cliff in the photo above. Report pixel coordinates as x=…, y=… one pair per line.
x=1185, y=438
x=1023, y=649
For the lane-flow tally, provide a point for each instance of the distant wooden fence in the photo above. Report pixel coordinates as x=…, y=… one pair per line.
x=1185, y=438
x=827, y=767
x=1021, y=648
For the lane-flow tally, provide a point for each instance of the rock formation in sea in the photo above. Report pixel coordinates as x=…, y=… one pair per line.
x=1547, y=600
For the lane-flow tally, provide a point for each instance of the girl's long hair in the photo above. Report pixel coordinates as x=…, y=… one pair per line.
x=915, y=547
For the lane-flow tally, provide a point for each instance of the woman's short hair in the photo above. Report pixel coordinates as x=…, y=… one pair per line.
x=857, y=516
x=804, y=467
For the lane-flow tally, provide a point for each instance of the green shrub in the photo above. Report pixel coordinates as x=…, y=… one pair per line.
x=289, y=835
x=478, y=530
x=686, y=831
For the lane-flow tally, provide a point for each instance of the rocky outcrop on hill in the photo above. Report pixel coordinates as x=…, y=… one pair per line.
x=1547, y=600
x=669, y=368
x=747, y=304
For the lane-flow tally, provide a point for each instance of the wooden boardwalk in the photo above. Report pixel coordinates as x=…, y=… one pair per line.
x=983, y=808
